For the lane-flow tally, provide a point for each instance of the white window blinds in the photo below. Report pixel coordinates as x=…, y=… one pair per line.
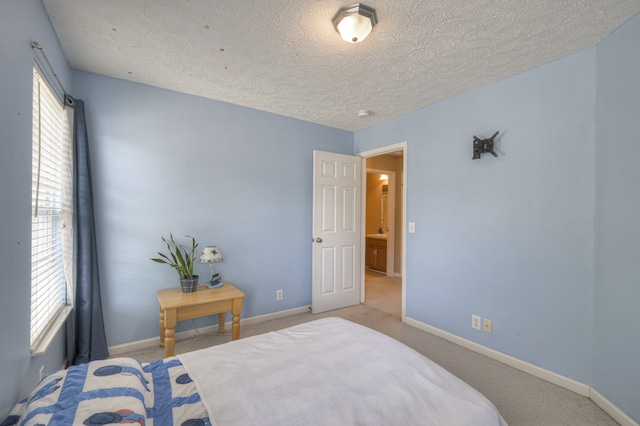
x=51, y=226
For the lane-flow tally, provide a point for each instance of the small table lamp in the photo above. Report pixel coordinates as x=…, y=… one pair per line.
x=212, y=255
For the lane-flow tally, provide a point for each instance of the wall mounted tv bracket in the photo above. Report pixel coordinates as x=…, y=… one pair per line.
x=483, y=145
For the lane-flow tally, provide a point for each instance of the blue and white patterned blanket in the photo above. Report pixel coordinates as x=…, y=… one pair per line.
x=114, y=391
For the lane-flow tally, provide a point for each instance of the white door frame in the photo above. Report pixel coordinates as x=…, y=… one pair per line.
x=402, y=146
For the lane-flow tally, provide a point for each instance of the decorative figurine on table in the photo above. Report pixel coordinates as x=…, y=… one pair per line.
x=211, y=255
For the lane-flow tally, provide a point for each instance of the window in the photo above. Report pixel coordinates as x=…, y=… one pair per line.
x=52, y=215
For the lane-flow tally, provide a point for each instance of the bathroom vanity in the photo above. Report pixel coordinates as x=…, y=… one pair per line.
x=376, y=252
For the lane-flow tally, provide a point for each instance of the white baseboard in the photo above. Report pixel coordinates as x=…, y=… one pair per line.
x=183, y=335
x=275, y=315
x=608, y=407
x=142, y=344
x=549, y=376
x=534, y=370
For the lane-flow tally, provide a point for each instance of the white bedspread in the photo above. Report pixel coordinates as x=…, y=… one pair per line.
x=331, y=372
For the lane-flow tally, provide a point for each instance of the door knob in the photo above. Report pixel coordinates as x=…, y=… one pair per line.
x=318, y=240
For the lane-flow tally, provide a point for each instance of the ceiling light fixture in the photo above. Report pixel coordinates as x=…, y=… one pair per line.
x=355, y=22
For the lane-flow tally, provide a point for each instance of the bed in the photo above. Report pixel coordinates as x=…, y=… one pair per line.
x=325, y=372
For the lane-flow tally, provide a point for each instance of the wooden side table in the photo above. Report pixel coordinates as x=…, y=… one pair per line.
x=175, y=306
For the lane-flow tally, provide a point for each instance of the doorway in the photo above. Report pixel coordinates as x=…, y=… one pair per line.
x=384, y=230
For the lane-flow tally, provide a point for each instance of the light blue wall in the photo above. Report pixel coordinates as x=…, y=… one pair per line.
x=507, y=238
x=21, y=21
x=230, y=176
x=617, y=297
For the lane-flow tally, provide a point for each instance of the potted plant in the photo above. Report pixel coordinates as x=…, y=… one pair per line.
x=182, y=260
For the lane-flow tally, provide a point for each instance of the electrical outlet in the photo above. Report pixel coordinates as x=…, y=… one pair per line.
x=279, y=294
x=41, y=372
x=475, y=322
x=486, y=325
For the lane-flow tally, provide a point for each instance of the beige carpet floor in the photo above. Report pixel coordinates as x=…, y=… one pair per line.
x=523, y=400
x=383, y=293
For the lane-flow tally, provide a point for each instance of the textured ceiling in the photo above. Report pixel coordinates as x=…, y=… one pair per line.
x=285, y=56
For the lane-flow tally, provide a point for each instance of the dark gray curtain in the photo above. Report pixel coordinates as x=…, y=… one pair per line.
x=88, y=335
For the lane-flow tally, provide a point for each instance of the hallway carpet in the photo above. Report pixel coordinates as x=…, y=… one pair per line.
x=383, y=293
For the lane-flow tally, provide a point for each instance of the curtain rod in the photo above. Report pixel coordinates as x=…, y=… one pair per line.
x=68, y=99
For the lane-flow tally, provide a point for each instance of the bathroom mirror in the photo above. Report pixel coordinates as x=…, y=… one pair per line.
x=384, y=226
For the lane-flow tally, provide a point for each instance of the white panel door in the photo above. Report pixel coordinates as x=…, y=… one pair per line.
x=337, y=260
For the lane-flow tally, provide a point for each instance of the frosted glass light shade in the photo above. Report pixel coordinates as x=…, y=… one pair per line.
x=354, y=28
x=355, y=22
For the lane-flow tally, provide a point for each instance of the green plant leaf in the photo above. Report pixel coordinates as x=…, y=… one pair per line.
x=178, y=257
